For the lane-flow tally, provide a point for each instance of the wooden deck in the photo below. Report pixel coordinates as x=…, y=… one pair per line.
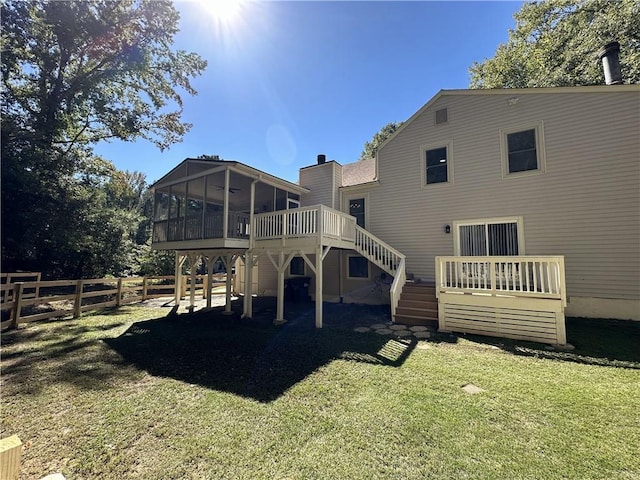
x=520, y=297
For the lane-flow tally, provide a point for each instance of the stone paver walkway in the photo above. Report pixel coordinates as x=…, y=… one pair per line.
x=397, y=329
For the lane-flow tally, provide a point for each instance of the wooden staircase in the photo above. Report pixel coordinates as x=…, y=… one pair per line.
x=418, y=305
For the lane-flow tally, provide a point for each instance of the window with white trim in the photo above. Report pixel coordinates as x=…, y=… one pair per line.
x=495, y=237
x=436, y=163
x=522, y=150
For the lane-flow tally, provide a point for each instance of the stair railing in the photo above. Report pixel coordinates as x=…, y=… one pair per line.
x=378, y=252
x=395, y=291
x=387, y=258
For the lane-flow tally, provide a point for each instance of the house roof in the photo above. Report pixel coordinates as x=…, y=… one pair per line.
x=514, y=92
x=232, y=164
x=357, y=173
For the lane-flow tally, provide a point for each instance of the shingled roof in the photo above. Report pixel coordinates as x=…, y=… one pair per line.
x=362, y=171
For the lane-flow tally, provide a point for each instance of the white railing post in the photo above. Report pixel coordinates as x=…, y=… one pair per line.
x=320, y=223
x=438, y=276
x=399, y=279
x=562, y=281
x=492, y=277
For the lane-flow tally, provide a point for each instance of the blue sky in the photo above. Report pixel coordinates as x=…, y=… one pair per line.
x=288, y=80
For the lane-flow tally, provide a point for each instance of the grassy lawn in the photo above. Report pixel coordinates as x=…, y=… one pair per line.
x=134, y=393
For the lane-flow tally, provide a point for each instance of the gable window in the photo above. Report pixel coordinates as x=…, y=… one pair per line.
x=296, y=267
x=356, y=209
x=436, y=164
x=522, y=150
x=495, y=237
x=358, y=267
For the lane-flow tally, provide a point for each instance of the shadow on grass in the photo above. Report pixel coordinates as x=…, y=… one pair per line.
x=61, y=351
x=250, y=358
x=612, y=343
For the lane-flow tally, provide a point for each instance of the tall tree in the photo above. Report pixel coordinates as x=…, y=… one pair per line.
x=74, y=73
x=371, y=147
x=555, y=43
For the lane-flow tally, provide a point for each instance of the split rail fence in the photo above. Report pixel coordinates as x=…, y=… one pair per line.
x=24, y=297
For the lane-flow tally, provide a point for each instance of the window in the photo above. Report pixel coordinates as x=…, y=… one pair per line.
x=522, y=150
x=293, y=201
x=436, y=163
x=293, y=204
x=358, y=267
x=296, y=267
x=497, y=237
x=356, y=209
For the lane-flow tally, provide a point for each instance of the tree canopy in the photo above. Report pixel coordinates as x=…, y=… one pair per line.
x=555, y=43
x=371, y=147
x=75, y=73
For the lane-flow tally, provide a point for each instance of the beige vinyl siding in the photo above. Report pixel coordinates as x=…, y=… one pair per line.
x=585, y=207
x=267, y=277
x=323, y=182
x=330, y=276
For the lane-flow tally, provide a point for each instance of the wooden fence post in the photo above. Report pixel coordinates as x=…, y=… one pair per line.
x=17, y=305
x=38, y=279
x=77, y=307
x=144, y=287
x=119, y=294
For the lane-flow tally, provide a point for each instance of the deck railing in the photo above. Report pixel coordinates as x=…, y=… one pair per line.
x=199, y=227
x=395, y=291
x=524, y=276
x=314, y=221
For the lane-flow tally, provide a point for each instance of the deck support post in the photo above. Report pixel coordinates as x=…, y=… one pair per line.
x=228, y=264
x=280, y=303
x=193, y=260
x=180, y=259
x=247, y=310
x=319, y=259
x=211, y=260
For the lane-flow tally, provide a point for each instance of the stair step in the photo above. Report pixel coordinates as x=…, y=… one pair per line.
x=419, y=288
x=419, y=297
x=417, y=312
x=421, y=304
x=408, y=320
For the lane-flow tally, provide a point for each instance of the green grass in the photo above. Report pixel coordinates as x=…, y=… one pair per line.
x=133, y=393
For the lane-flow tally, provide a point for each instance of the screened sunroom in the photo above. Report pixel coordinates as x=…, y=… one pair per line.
x=209, y=204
